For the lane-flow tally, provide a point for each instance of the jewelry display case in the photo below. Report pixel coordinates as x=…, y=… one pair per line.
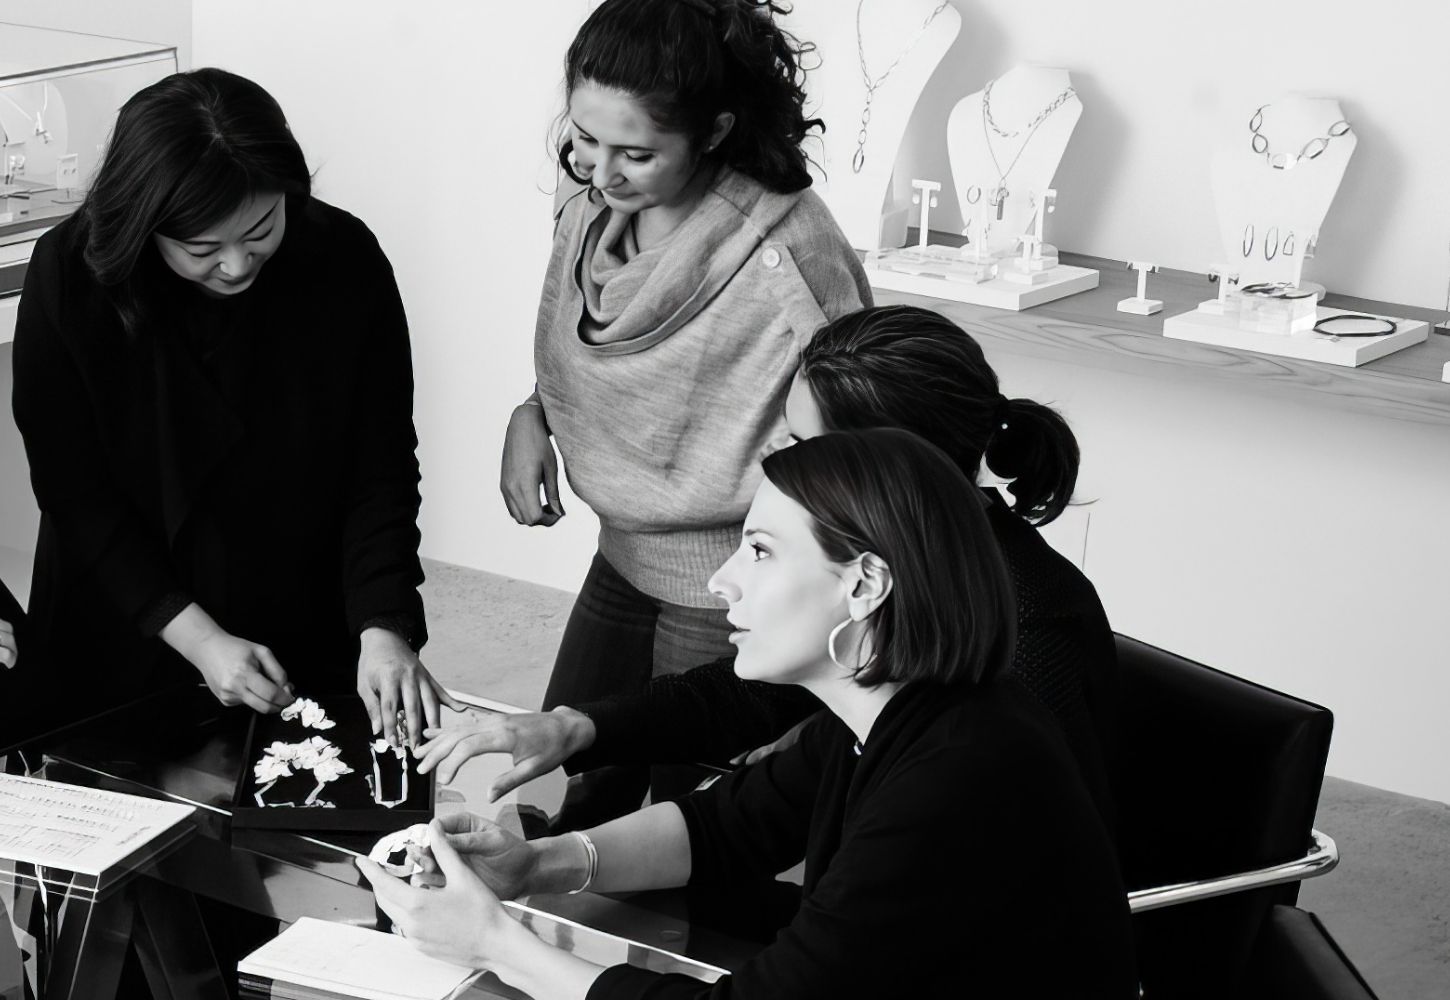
x=59, y=94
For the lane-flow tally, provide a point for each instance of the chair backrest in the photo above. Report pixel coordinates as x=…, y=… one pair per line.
x=1213, y=775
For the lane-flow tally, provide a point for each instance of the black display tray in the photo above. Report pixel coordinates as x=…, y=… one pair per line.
x=352, y=803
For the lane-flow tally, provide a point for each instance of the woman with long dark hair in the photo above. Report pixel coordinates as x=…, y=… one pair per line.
x=890, y=366
x=685, y=278
x=925, y=800
x=213, y=381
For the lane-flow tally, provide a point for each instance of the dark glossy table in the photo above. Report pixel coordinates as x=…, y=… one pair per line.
x=181, y=746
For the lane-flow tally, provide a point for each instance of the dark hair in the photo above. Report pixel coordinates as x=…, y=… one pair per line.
x=186, y=152
x=904, y=366
x=950, y=617
x=687, y=61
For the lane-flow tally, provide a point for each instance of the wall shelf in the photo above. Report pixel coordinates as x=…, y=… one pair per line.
x=1087, y=329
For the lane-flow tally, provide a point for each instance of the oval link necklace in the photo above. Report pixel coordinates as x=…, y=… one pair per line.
x=859, y=159
x=1311, y=150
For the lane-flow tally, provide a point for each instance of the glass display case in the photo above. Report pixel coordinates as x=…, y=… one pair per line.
x=59, y=94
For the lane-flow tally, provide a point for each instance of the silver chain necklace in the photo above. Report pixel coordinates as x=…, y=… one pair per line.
x=37, y=117
x=859, y=159
x=998, y=197
x=1309, y=151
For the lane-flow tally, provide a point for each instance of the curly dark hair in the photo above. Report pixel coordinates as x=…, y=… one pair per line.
x=688, y=61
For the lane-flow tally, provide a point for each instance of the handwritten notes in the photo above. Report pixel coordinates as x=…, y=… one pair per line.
x=78, y=829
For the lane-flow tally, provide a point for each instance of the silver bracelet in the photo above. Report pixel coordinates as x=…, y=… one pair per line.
x=593, y=854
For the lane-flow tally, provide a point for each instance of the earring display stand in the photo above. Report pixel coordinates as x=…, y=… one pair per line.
x=901, y=43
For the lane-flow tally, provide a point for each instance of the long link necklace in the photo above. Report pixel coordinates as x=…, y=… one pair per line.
x=1309, y=151
x=38, y=117
x=997, y=199
x=859, y=159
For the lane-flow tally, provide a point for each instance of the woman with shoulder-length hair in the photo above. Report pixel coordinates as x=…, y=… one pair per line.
x=684, y=281
x=213, y=382
x=950, y=846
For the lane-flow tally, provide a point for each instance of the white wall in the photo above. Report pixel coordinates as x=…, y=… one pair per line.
x=429, y=122
x=1162, y=82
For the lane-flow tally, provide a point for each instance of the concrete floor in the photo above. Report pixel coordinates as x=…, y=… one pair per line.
x=1387, y=904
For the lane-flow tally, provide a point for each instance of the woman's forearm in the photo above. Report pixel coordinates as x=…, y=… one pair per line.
x=541, y=970
x=649, y=849
x=188, y=630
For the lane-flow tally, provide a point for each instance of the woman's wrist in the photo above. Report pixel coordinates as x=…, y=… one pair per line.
x=562, y=864
x=189, y=630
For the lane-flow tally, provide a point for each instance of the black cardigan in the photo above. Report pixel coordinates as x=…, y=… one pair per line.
x=1065, y=658
x=957, y=856
x=274, y=480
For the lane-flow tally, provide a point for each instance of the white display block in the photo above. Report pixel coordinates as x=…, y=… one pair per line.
x=1347, y=352
x=1445, y=376
x=998, y=293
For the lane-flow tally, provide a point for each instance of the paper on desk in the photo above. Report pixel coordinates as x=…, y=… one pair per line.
x=353, y=961
x=75, y=828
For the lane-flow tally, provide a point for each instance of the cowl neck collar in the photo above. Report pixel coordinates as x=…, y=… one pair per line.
x=631, y=301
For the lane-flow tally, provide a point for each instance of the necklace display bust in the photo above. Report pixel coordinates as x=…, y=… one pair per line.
x=902, y=40
x=995, y=146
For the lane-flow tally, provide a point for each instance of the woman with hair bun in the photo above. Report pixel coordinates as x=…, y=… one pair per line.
x=684, y=281
x=889, y=366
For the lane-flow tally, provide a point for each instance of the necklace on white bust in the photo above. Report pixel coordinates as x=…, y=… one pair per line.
x=859, y=159
x=1309, y=151
x=998, y=196
x=38, y=117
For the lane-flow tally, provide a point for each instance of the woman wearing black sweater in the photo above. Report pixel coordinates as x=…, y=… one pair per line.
x=950, y=847
x=890, y=366
x=214, y=385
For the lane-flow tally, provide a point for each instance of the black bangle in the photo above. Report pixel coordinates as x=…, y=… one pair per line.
x=1275, y=290
x=1391, y=325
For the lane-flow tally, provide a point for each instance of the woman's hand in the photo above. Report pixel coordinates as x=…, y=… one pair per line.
x=461, y=921
x=238, y=671
x=528, y=464
x=9, y=651
x=505, y=863
x=391, y=677
x=538, y=742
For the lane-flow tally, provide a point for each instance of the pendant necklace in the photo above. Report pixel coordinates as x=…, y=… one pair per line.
x=859, y=159
x=1286, y=161
x=997, y=199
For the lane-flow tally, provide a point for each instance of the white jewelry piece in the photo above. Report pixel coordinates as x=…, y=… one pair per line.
x=1312, y=149
x=414, y=836
x=859, y=159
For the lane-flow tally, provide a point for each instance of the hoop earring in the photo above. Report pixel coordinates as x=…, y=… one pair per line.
x=831, y=649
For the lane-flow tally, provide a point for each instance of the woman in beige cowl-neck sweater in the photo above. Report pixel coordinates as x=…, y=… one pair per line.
x=684, y=281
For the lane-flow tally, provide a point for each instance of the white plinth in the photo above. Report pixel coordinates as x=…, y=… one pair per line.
x=1140, y=307
x=1445, y=376
x=998, y=293
x=9, y=306
x=1347, y=352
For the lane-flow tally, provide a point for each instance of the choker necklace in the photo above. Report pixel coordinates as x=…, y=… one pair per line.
x=1286, y=161
x=39, y=117
x=998, y=197
x=859, y=159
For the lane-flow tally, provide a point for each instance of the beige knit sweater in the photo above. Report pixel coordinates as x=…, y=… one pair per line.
x=662, y=392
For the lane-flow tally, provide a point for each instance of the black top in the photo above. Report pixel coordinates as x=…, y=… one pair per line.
x=1064, y=657
x=958, y=855
x=255, y=454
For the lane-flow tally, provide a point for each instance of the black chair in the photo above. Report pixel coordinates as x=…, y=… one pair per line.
x=1296, y=959
x=1217, y=780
